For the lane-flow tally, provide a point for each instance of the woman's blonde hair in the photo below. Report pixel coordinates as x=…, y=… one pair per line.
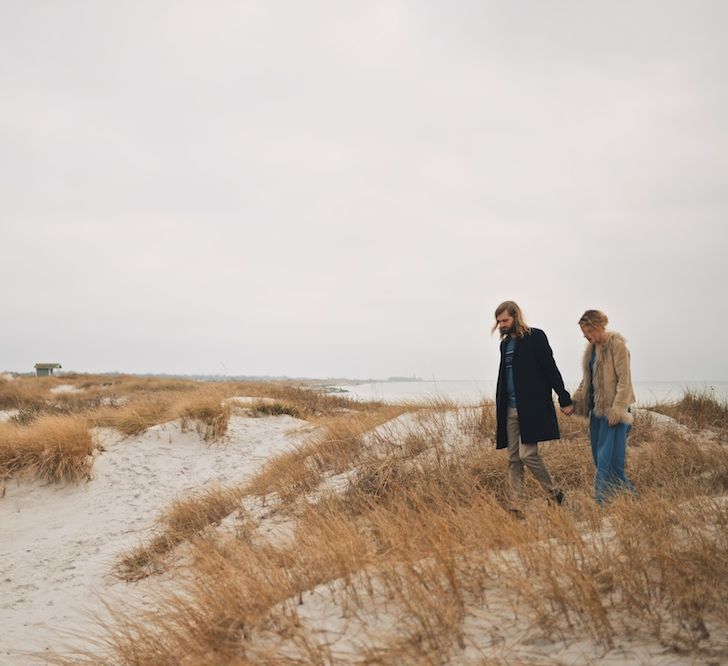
x=594, y=319
x=520, y=327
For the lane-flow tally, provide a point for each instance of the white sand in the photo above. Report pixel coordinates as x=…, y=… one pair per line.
x=7, y=414
x=58, y=544
x=66, y=388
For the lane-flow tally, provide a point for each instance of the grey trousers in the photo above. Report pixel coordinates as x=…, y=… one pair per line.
x=521, y=456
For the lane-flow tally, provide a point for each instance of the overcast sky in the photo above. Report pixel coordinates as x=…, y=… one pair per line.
x=333, y=188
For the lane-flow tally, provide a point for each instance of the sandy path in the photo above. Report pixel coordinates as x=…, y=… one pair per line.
x=58, y=544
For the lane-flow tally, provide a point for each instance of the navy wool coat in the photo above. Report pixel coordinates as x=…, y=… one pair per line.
x=535, y=375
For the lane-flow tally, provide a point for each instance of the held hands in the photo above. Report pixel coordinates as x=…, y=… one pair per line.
x=568, y=410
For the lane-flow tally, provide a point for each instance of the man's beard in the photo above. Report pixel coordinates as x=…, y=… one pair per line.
x=505, y=330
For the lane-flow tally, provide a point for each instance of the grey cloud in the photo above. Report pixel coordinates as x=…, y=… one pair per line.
x=349, y=188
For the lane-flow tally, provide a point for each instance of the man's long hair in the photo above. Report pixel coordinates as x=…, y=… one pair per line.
x=520, y=327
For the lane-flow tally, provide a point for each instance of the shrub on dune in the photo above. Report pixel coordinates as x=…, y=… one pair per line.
x=210, y=411
x=698, y=409
x=275, y=408
x=184, y=519
x=24, y=393
x=134, y=417
x=52, y=448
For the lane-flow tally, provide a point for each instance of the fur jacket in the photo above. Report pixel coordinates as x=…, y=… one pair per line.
x=613, y=392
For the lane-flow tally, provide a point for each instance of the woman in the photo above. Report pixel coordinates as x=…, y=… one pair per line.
x=606, y=395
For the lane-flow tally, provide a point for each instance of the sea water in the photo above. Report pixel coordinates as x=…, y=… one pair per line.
x=466, y=392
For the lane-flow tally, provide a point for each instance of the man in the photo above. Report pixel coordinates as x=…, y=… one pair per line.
x=525, y=411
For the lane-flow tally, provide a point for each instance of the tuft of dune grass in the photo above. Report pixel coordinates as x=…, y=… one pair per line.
x=210, y=411
x=309, y=402
x=698, y=409
x=184, y=519
x=136, y=416
x=141, y=412
x=312, y=401
x=23, y=392
x=52, y=448
x=275, y=408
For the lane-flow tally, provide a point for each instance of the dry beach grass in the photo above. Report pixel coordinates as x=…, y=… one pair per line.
x=51, y=448
x=393, y=543
x=699, y=409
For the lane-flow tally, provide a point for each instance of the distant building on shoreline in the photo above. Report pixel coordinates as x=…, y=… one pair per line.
x=412, y=378
x=46, y=369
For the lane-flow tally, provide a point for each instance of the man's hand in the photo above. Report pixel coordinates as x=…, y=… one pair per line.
x=612, y=421
x=568, y=410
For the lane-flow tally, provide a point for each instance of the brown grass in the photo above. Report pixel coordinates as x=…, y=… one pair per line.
x=52, y=448
x=33, y=397
x=202, y=407
x=136, y=416
x=310, y=402
x=335, y=448
x=209, y=411
x=275, y=408
x=698, y=409
x=184, y=519
x=19, y=393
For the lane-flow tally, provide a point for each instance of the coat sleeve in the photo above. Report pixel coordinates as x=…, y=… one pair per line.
x=500, y=372
x=548, y=365
x=618, y=410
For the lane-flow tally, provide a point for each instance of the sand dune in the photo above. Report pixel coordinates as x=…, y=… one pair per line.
x=58, y=544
